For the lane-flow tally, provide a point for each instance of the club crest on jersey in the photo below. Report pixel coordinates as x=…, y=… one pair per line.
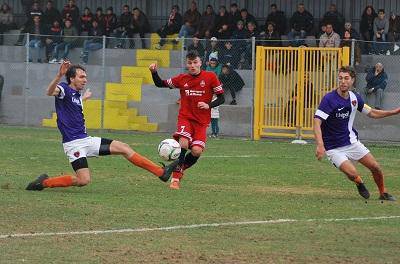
x=185, y=85
x=77, y=154
x=202, y=83
x=354, y=102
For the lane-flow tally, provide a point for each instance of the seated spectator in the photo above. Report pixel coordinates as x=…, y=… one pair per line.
x=69, y=41
x=246, y=17
x=34, y=11
x=214, y=66
x=234, y=13
x=231, y=81
x=222, y=18
x=271, y=37
x=229, y=55
x=278, y=18
x=140, y=25
x=367, y=27
x=239, y=35
x=376, y=83
x=212, y=51
x=301, y=25
x=207, y=22
x=320, y=33
x=73, y=11
x=246, y=57
x=6, y=20
x=381, y=29
x=86, y=21
x=224, y=32
x=197, y=46
x=394, y=30
x=123, y=28
x=94, y=42
x=51, y=14
x=191, y=20
x=330, y=39
x=347, y=42
x=354, y=34
x=172, y=26
x=110, y=22
x=52, y=39
x=36, y=41
x=99, y=17
x=335, y=18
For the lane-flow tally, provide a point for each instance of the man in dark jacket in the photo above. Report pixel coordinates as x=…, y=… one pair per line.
x=95, y=41
x=231, y=81
x=191, y=20
x=376, y=83
x=172, y=26
x=301, y=25
x=123, y=24
x=37, y=39
x=51, y=14
x=140, y=24
x=278, y=18
x=334, y=18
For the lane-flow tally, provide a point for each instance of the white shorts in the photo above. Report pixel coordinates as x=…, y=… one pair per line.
x=84, y=147
x=353, y=152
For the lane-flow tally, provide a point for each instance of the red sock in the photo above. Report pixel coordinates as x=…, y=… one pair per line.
x=60, y=181
x=146, y=164
x=378, y=178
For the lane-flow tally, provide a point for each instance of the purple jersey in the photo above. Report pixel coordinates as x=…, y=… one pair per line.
x=69, y=108
x=337, y=115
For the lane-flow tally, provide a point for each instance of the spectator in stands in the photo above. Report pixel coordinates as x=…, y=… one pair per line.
x=86, y=21
x=223, y=18
x=376, y=83
x=330, y=39
x=231, y=81
x=110, y=22
x=229, y=55
x=239, y=36
x=94, y=42
x=197, y=46
x=69, y=41
x=1, y=84
x=347, y=42
x=214, y=66
x=246, y=58
x=99, y=17
x=34, y=11
x=73, y=11
x=123, y=28
x=270, y=37
x=6, y=20
x=51, y=14
x=26, y=7
x=335, y=18
x=172, y=26
x=246, y=17
x=394, y=30
x=301, y=25
x=212, y=50
x=191, y=20
x=354, y=34
x=367, y=27
x=224, y=32
x=278, y=18
x=381, y=29
x=36, y=42
x=53, y=38
x=140, y=25
x=207, y=21
x=320, y=33
x=214, y=119
x=234, y=12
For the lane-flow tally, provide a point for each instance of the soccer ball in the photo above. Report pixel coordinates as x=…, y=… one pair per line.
x=169, y=149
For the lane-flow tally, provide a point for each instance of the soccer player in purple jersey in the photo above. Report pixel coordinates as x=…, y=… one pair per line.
x=335, y=135
x=76, y=142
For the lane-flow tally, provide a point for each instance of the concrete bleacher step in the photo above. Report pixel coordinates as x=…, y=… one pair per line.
x=146, y=62
x=137, y=72
x=155, y=39
x=162, y=56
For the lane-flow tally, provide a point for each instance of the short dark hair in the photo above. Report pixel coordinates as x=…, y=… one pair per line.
x=71, y=72
x=274, y=5
x=381, y=10
x=191, y=55
x=234, y=5
x=349, y=70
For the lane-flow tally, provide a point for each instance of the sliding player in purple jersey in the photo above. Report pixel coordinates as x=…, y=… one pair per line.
x=76, y=142
x=335, y=135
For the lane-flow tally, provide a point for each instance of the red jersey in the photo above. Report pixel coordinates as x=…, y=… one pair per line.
x=194, y=89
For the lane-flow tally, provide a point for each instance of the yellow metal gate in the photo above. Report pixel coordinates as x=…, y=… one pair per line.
x=290, y=83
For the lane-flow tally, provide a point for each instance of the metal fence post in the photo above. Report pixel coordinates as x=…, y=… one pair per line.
x=253, y=53
x=353, y=43
x=103, y=68
x=26, y=80
x=183, y=53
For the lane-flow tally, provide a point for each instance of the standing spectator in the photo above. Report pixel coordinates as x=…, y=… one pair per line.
x=34, y=11
x=123, y=27
x=271, y=37
x=197, y=46
x=191, y=20
x=394, y=30
x=172, y=26
x=110, y=22
x=235, y=14
x=53, y=38
x=73, y=11
x=330, y=39
x=36, y=42
x=214, y=66
x=376, y=83
x=86, y=21
x=278, y=18
x=94, y=42
x=301, y=25
x=207, y=21
x=246, y=17
x=229, y=55
x=231, y=81
x=335, y=18
x=214, y=119
x=6, y=20
x=69, y=41
x=381, y=29
x=223, y=18
x=51, y=14
x=367, y=27
x=347, y=42
x=140, y=24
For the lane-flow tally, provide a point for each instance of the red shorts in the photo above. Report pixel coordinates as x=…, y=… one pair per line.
x=196, y=133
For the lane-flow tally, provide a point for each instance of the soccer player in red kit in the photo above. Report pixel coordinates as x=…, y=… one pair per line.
x=196, y=89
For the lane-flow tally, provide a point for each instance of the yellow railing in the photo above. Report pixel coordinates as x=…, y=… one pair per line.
x=290, y=83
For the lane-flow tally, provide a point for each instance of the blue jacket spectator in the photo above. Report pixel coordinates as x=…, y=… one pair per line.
x=376, y=83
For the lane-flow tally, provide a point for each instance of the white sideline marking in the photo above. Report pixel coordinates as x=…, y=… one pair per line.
x=169, y=228
x=231, y=156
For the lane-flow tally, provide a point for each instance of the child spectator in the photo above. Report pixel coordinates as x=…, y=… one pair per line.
x=214, y=120
x=214, y=66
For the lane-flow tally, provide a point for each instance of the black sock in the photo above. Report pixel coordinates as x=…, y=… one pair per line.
x=182, y=156
x=190, y=160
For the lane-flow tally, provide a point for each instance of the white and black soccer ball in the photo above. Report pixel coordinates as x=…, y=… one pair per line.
x=169, y=149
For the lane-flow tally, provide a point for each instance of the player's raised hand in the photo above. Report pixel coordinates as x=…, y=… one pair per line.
x=64, y=68
x=203, y=105
x=87, y=94
x=320, y=151
x=153, y=67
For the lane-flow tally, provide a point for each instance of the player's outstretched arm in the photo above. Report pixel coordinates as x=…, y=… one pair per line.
x=156, y=78
x=375, y=113
x=320, y=149
x=52, y=88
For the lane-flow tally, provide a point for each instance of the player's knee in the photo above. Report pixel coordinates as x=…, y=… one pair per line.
x=197, y=151
x=80, y=182
x=375, y=168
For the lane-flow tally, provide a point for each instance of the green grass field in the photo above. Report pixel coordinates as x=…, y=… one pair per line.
x=235, y=181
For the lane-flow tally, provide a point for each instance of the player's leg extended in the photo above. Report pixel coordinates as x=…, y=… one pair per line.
x=348, y=168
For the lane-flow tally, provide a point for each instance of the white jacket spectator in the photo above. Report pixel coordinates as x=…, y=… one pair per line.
x=329, y=39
